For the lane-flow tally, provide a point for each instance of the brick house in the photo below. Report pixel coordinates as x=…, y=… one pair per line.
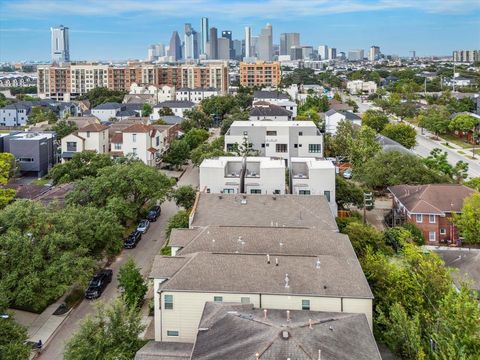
x=430, y=207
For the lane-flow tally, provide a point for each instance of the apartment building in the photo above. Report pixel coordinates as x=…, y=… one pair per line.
x=195, y=95
x=260, y=73
x=35, y=152
x=310, y=176
x=68, y=81
x=93, y=137
x=277, y=139
x=361, y=87
x=250, y=175
x=263, y=110
x=276, y=98
x=430, y=207
x=295, y=257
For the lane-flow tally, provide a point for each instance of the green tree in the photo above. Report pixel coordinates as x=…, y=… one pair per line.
x=131, y=284
x=435, y=119
x=337, y=97
x=184, y=196
x=198, y=118
x=13, y=338
x=348, y=193
x=315, y=103
x=178, y=153
x=339, y=145
x=40, y=114
x=147, y=109
x=177, y=221
x=218, y=105
x=195, y=137
x=438, y=161
x=363, y=146
x=375, y=119
x=63, y=128
x=366, y=238
x=101, y=95
x=7, y=169
x=468, y=221
x=353, y=104
x=112, y=333
x=245, y=148
x=395, y=168
x=165, y=111
x=235, y=116
x=83, y=164
x=473, y=183
x=207, y=151
x=464, y=123
x=402, y=133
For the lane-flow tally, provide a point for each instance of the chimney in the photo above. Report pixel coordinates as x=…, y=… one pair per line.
x=268, y=259
x=286, y=281
x=310, y=323
x=265, y=314
x=276, y=261
x=288, y=315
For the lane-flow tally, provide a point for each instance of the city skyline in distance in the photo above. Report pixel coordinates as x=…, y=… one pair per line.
x=102, y=30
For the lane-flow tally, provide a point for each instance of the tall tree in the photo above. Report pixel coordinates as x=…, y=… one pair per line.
x=402, y=133
x=468, y=221
x=13, y=338
x=178, y=221
x=347, y=193
x=363, y=146
x=112, y=333
x=435, y=119
x=131, y=284
x=464, y=123
x=178, y=153
x=63, y=128
x=195, y=137
x=147, y=109
x=218, y=105
x=184, y=196
x=375, y=119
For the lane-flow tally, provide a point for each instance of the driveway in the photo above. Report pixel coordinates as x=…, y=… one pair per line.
x=143, y=255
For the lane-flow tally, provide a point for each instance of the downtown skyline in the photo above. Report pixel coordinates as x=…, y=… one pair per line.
x=123, y=32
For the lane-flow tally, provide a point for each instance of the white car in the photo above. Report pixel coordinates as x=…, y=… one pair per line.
x=143, y=226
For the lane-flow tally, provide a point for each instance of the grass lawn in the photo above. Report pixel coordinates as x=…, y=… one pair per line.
x=40, y=182
x=447, y=145
x=461, y=152
x=456, y=141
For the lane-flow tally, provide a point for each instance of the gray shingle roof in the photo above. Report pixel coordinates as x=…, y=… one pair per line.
x=234, y=331
x=391, y=145
x=155, y=350
x=270, y=110
x=262, y=94
x=351, y=116
x=330, y=112
x=264, y=210
x=175, y=104
x=108, y=106
x=262, y=240
x=216, y=272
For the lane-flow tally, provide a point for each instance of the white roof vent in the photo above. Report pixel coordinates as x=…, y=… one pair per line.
x=244, y=202
x=287, y=280
x=317, y=264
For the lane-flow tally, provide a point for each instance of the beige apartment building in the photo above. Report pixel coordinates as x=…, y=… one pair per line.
x=65, y=83
x=260, y=73
x=93, y=137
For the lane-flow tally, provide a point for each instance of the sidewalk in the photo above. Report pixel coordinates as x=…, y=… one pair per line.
x=46, y=324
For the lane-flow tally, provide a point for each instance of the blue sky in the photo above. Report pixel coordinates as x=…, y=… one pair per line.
x=122, y=29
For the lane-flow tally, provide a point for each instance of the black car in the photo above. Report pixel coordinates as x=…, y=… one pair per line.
x=154, y=213
x=98, y=283
x=132, y=240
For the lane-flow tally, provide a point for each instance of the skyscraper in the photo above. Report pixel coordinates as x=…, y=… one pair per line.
x=175, y=49
x=237, y=49
x=205, y=37
x=223, y=48
x=332, y=53
x=248, y=41
x=287, y=40
x=356, y=55
x=190, y=42
x=374, y=53
x=323, y=52
x=265, y=43
x=60, y=44
x=227, y=34
x=213, y=44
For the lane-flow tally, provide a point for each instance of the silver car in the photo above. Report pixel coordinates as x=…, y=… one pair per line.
x=143, y=226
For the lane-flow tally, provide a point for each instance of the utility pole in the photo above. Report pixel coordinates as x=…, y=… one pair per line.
x=367, y=201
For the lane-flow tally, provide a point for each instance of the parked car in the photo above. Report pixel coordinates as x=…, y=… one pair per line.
x=98, y=283
x=143, y=226
x=154, y=213
x=347, y=174
x=132, y=240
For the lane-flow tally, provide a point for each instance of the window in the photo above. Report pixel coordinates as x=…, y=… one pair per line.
x=255, y=191
x=158, y=140
x=263, y=145
x=271, y=133
x=88, y=134
x=305, y=304
x=229, y=191
x=117, y=146
x=71, y=146
x=431, y=236
x=230, y=147
x=281, y=148
x=26, y=160
x=134, y=137
x=314, y=148
x=245, y=300
x=172, y=332
x=218, y=298
x=168, y=302
x=277, y=192
x=431, y=219
x=419, y=218
x=134, y=151
x=326, y=193
x=295, y=146
x=303, y=192
x=300, y=133
x=443, y=231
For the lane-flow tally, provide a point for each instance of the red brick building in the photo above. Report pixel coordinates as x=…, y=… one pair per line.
x=430, y=207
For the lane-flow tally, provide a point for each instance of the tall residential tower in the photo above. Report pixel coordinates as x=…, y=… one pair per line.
x=60, y=44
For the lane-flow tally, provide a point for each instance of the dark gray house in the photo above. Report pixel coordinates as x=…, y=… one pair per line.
x=34, y=152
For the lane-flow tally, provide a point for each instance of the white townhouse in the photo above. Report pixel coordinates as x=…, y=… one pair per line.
x=361, y=87
x=195, y=95
x=333, y=118
x=277, y=139
x=93, y=137
x=250, y=175
x=178, y=108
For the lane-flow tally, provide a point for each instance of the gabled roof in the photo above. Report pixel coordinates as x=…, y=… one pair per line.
x=331, y=112
x=175, y=104
x=139, y=128
x=239, y=331
x=94, y=128
x=269, y=110
x=350, y=115
x=108, y=106
x=117, y=138
x=432, y=198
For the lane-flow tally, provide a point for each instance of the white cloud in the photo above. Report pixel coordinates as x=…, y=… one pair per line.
x=233, y=8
